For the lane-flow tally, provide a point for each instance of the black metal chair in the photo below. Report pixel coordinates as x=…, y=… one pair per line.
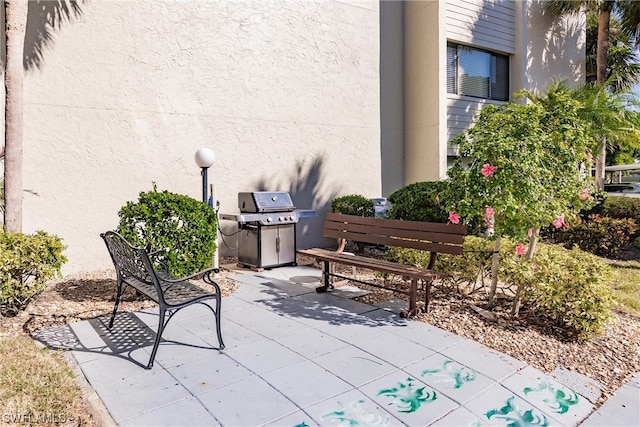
x=136, y=267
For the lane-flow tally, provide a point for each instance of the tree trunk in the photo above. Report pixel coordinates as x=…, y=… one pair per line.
x=494, y=272
x=16, y=21
x=604, y=19
x=533, y=243
x=601, y=161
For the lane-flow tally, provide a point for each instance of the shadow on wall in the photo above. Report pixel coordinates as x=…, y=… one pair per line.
x=305, y=184
x=559, y=33
x=43, y=17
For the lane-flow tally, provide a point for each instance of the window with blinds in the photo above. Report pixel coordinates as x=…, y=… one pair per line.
x=477, y=73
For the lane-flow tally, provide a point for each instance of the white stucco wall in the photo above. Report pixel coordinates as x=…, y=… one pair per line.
x=286, y=94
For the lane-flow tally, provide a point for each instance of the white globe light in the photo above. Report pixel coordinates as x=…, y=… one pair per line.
x=204, y=157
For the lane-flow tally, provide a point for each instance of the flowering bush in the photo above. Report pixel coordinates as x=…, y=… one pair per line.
x=518, y=170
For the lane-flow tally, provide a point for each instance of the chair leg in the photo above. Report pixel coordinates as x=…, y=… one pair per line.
x=161, y=325
x=218, y=329
x=119, y=293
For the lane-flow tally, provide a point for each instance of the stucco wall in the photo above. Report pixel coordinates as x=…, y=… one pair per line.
x=286, y=94
x=547, y=47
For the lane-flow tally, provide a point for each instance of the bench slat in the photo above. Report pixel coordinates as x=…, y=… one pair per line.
x=434, y=237
x=397, y=224
x=444, y=236
x=405, y=243
x=372, y=264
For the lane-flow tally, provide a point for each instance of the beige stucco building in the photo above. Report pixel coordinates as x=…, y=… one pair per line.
x=319, y=98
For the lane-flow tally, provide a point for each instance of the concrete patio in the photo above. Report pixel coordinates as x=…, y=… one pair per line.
x=294, y=357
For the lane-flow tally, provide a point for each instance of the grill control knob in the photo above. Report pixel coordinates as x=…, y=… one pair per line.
x=269, y=219
x=280, y=219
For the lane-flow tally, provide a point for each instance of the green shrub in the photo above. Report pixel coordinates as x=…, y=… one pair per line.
x=418, y=202
x=622, y=208
x=600, y=235
x=182, y=227
x=353, y=205
x=27, y=262
x=571, y=287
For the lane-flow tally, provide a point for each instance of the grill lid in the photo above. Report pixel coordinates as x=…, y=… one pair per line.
x=265, y=201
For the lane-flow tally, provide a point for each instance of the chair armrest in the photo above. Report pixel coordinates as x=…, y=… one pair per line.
x=205, y=273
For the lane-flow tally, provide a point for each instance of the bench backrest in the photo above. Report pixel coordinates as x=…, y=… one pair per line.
x=131, y=262
x=428, y=236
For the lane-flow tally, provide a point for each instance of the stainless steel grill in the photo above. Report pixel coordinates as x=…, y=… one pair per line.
x=267, y=229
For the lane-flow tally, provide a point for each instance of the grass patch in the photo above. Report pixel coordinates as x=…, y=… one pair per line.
x=626, y=286
x=36, y=385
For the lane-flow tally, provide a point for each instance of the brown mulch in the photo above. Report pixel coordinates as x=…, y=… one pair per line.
x=611, y=358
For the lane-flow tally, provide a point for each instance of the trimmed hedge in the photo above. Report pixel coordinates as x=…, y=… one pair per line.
x=353, y=204
x=601, y=235
x=622, y=208
x=27, y=262
x=184, y=228
x=418, y=202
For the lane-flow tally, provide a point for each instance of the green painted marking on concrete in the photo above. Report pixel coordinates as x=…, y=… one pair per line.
x=407, y=398
x=515, y=417
x=356, y=415
x=458, y=377
x=557, y=399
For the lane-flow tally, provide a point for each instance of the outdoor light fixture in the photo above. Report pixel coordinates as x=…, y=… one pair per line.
x=204, y=159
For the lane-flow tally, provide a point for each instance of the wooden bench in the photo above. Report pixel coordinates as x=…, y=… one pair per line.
x=138, y=268
x=433, y=237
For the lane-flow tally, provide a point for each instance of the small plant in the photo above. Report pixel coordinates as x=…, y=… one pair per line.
x=353, y=205
x=418, y=202
x=27, y=262
x=182, y=227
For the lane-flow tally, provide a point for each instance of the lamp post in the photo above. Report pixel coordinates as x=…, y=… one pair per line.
x=204, y=158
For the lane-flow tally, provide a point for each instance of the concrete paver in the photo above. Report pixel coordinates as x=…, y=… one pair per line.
x=297, y=358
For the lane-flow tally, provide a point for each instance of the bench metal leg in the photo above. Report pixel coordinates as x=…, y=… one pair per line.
x=427, y=295
x=326, y=278
x=161, y=326
x=119, y=292
x=217, y=318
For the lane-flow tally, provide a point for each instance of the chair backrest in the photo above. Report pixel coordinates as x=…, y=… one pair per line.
x=131, y=262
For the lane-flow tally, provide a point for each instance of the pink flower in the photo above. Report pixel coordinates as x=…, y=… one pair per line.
x=488, y=170
x=489, y=213
x=437, y=198
x=530, y=232
x=454, y=218
x=521, y=249
x=559, y=222
x=585, y=194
